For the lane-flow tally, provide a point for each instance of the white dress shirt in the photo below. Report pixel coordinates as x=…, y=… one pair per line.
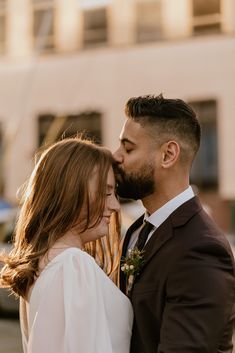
x=160, y=215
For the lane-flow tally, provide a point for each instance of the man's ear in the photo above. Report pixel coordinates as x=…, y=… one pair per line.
x=170, y=154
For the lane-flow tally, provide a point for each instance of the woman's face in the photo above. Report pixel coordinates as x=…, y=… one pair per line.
x=111, y=205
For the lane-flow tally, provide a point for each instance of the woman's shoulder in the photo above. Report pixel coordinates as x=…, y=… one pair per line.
x=69, y=260
x=75, y=256
x=72, y=266
x=75, y=271
x=85, y=268
x=78, y=267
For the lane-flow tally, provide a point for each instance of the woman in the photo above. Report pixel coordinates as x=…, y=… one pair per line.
x=71, y=305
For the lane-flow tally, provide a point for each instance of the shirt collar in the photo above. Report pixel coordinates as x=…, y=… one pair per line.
x=159, y=216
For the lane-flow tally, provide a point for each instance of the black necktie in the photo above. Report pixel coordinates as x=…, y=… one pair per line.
x=143, y=236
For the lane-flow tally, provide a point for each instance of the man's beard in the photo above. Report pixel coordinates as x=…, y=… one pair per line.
x=137, y=185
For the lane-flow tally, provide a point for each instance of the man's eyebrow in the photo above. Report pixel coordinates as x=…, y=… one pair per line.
x=126, y=140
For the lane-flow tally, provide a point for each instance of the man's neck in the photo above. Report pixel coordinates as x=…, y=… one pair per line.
x=158, y=199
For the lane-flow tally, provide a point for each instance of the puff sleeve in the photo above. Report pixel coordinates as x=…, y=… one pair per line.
x=67, y=311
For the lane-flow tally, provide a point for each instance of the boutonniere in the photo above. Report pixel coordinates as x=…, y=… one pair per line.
x=131, y=266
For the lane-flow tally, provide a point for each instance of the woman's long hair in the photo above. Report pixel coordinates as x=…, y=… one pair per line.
x=51, y=205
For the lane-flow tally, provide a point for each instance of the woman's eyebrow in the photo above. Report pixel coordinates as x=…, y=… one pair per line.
x=110, y=187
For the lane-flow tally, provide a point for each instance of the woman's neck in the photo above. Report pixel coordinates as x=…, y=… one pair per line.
x=68, y=240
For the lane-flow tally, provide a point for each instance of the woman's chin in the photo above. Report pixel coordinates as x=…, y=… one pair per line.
x=104, y=232
x=101, y=231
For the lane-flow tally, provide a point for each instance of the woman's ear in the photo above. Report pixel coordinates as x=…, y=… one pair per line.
x=170, y=154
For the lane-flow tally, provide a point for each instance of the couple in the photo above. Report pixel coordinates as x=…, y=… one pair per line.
x=183, y=294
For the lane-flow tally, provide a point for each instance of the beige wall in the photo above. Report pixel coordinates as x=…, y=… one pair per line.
x=104, y=79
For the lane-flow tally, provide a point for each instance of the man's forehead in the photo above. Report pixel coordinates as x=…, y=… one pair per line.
x=131, y=130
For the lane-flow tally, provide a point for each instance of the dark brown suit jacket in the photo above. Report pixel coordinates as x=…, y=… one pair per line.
x=183, y=297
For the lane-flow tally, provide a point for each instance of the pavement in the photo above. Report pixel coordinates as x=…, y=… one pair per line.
x=10, y=336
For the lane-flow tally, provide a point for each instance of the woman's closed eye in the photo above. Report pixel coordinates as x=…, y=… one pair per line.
x=110, y=191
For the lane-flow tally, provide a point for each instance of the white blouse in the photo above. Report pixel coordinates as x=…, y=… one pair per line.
x=75, y=308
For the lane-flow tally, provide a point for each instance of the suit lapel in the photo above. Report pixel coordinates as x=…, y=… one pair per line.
x=162, y=234
x=157, y=240
x=166, y=230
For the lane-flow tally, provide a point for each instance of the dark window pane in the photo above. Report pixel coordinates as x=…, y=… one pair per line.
x=205, y=167
x=95, y=27
x=2, y=25
x=207, y=29
x=206, y=17
x=205, y=7
x=2, y=28
x=233, y=223
x=1, y=162
x=41, y=18
x=44, y=123
x=43, y=27
x=88, y=123
x=95, y=19
x=148, y=21
x=3, y=4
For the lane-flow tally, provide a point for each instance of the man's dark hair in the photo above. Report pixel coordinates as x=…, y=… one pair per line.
x=167, y=119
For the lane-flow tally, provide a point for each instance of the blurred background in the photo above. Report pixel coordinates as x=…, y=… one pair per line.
x=69, y=66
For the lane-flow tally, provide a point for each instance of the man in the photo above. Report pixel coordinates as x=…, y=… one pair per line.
x=184, y=292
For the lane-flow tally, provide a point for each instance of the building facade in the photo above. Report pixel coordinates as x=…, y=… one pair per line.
x=68, y=66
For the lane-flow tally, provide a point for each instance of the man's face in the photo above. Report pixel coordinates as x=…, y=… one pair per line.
x=135, y=162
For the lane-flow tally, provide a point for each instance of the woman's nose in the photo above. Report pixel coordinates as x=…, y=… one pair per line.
x=114, y=204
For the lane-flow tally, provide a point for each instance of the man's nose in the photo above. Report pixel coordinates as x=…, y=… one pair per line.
x=118, y=156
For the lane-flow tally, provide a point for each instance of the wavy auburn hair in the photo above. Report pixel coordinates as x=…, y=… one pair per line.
x=52, y=202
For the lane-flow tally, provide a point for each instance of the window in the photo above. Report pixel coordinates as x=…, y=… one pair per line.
x=206, y=16
x=43, y=24
x=52, y=128
x=1, y=161
x=95, y=27
x=148, y=20
x=205, y=167
x=233, y=221
x=2, y=25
